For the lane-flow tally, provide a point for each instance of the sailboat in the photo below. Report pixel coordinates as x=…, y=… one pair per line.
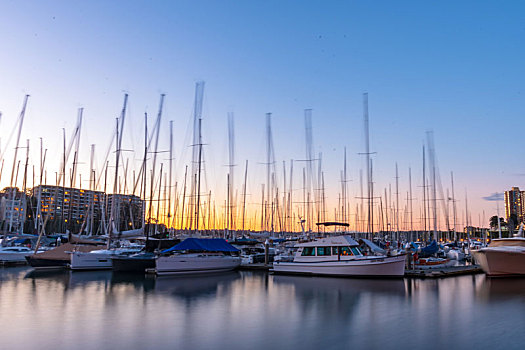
x=198, y=256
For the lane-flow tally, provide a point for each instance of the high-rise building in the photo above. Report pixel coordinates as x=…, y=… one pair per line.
x=12, y=209
x=514, y=204
x=76, y=210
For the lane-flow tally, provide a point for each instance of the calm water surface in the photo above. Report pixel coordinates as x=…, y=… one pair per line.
x=245, y=310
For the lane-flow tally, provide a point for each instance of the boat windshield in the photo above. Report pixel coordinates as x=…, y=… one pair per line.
x=346, y=251
x=328, y=251
x=308, y=251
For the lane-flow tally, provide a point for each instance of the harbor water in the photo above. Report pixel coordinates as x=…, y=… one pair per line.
x=256, y=310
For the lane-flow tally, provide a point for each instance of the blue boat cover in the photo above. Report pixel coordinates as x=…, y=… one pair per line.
x=430, y=249
x=203, y=244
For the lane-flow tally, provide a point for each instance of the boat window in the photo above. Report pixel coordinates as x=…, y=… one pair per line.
x=346, y=251
x=356, y=251
x=308, y=251
x=335, y=250
x=323, y=251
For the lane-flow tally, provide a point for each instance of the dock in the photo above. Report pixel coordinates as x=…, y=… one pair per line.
x=443, y=271
x=256, y=267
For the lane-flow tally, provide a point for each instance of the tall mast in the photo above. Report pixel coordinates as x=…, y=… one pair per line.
x=76, y=140
x=424, y=196
x=369, y=229
x=344, y=190
x=467, y=220
x=431, y=151
x=13, y=178
x=397, y=204
x=411, y=211
x=183, y=199
x=454, y=206
x=311, y=182
x=155, y=133
x=231, y=158
x=114, y=222
x=269, y=162
x=170, y=174
x=144, y=177
x=24, y=187
x=244, y=195
x=20, y=124
x=92, y=188
x=199, y=92
x=290, y=197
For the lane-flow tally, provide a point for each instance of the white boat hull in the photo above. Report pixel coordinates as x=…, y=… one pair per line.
x=455, y=254
x=501, y=261
x=14, y=257
x=90, y=261
x=365, y=267
x=189, y=264
x=97, y=259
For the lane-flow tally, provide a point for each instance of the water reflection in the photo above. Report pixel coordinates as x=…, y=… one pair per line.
x=501, y=289
x=255, y=310
x=195, y=287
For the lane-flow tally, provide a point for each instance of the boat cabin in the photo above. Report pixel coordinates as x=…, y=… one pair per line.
x=328, y=249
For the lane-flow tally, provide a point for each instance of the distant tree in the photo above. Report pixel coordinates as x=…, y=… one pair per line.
x=493, y=223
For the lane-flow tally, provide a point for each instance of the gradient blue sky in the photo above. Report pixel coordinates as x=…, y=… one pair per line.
x=452, y=67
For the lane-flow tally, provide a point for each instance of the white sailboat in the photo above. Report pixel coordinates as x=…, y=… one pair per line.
x=99, y=259
x=14, y=254
x=198, y=256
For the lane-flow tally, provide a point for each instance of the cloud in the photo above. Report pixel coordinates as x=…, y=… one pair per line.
x=494, y=197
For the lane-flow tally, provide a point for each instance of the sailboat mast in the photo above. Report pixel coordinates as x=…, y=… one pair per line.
x=411, y=211
x=424, y=196
x=183, y=199
x=268, y=169
x=145, y=177
x=197, y=153
x=454, y=205
x=367, y=155
x=397, y=204
x=197, y=206
x=244, y=195
x=231, y=156
x=170, y=174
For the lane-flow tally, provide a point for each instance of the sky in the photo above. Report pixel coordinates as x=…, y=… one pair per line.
x=455, y=68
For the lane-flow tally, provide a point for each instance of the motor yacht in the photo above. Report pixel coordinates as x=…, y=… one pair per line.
x=340, y=256
x=503, y=257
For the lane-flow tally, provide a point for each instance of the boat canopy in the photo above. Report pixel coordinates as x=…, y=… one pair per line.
x=330, y=242
x=203, y=244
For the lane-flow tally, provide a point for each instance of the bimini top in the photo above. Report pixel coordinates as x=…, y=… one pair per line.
x=330, y=242
x=203, y=244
